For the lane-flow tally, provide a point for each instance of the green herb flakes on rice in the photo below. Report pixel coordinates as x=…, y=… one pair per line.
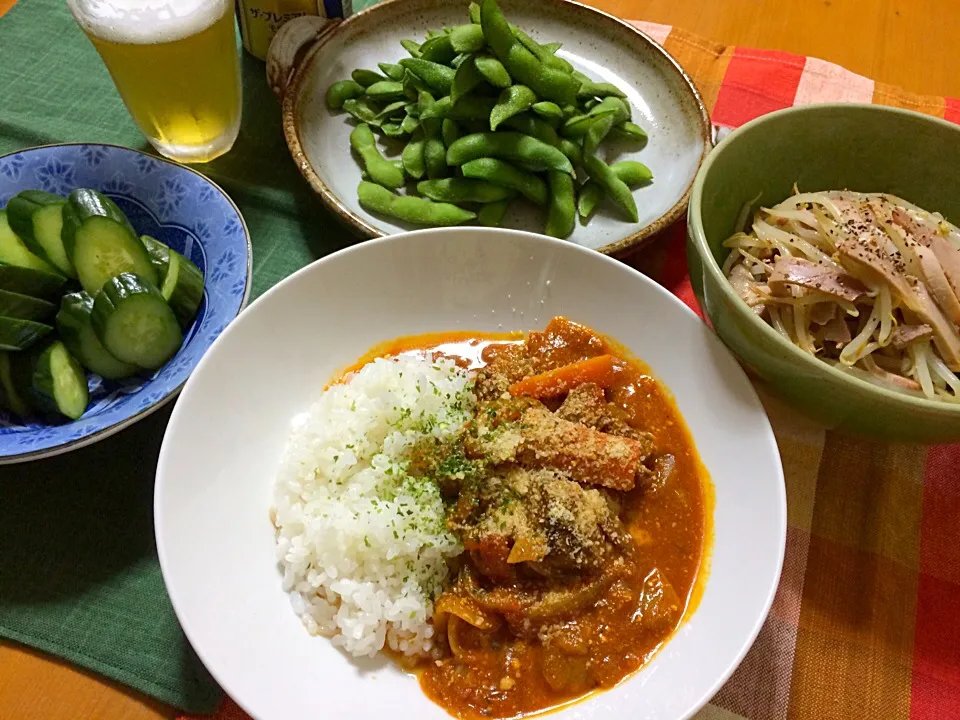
x=362, y=544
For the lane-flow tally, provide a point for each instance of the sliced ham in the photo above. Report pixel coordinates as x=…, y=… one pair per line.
x=898, y=381
x=904, y=335
x=746, y=286
x=822, y=313
x=837, y=331
x=867, y=257
x=945, y=334
x=947, y=255
x=794, y=271
x=936, y=280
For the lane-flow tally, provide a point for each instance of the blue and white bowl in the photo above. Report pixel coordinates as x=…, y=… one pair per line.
x=179, y=207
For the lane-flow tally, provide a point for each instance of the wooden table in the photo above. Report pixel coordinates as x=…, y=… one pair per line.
x=901, y=42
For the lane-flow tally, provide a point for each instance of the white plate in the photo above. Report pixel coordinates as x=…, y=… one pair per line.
x=662, y=97
x=226, y=436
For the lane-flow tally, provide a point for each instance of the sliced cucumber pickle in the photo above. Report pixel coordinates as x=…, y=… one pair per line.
x=37, y=218
x=21, y=334
x=134, y=322
x=24, y=307
x=75, y=328
x=26, y=281
x=100, y=241
x=59, y=384
x=13, y=251
x=181, y=282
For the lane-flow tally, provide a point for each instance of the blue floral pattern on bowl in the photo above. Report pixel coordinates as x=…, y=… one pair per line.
x=179, y=207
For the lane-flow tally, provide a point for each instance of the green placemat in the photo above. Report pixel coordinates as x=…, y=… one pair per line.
x=79, y=576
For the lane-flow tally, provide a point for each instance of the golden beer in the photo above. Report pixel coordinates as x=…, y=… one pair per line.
x=176, y=66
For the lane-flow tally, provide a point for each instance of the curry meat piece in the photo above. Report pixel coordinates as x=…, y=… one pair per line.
x=587, y=404
x=542, y=519
x=583, y=453
x=524, y=431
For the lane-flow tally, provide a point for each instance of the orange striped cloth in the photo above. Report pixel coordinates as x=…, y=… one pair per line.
x=866, y=621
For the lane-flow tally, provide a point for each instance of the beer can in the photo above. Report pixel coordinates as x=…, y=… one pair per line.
x=260, y=19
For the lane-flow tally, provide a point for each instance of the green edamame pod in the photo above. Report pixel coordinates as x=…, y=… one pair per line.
x=561, y=210
x=437, y=110
x=631, y=172
x=418, y=211
x=425, y=101
x=438, y=49
x=463, y=189
x=392, y=129
x=589, y=198
x=411, y=47
x=394, y=108
x=431, y=118
x=533, y=126
x=578, y=125
x=431, y=33
x=392, y=71
x=381, y=170
x=513, y=146
x=542, y=54
x=412, y=155
x=409, y=124
x=435, y=158
x=474, y=10
x=552, y=47
x=467, y=38
x=548, y=111
x=366, y=77
x=341, y=91
x=572, y=150
x=362, y=109
x=412, y=85
x=512, y=101
x=599, y=90
x=465, y=80
x=473, y=107
x=385, y=91
x=438, y=77
x=491, y=214
x=502, y=173
x=619, y=106
x=449, y=131
x=613, y=186
x=493, y=71
x=630, y=132
x=596, y=133
x=547, y=82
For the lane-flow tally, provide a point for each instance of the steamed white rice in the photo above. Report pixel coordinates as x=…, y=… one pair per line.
x=362, y=546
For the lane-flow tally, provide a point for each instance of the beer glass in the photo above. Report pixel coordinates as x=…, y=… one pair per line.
x=176, y=66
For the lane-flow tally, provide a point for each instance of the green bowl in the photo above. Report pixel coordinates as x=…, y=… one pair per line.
x=865, y=148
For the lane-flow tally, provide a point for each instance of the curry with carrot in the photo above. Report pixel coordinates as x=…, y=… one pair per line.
x=584, y=514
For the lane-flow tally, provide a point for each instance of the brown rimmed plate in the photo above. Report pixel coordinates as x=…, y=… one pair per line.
x=663, y=98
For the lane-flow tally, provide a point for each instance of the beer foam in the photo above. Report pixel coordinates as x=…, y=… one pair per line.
x=142, y=22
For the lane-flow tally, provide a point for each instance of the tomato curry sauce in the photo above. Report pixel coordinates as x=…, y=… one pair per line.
x=584, y=513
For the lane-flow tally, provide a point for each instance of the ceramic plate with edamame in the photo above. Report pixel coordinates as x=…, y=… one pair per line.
x=410, y=114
